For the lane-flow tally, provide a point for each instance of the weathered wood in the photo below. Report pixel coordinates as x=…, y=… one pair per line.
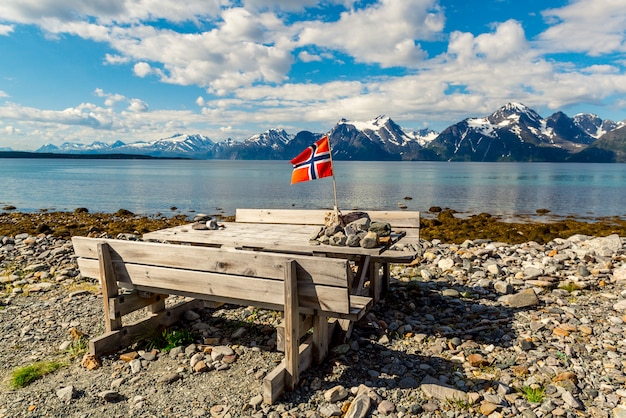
x=306, y=323
x=274, y=381
x=244, y=263
x=112, y=321
x=112, y=341
x=320, y=338
x=220, y=287
x=399, y=219
x=123, y=304
x=291, y=326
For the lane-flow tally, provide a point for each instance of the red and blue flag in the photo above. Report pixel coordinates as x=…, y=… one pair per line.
x=313, y=163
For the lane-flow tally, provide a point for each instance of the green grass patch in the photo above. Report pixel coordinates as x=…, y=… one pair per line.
x=24, y=376
x=532, y=394
x=168, y=339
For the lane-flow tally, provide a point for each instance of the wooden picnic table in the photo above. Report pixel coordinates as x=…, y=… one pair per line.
x=295, y=239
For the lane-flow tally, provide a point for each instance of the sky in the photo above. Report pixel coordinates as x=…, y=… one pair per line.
x=140, y=70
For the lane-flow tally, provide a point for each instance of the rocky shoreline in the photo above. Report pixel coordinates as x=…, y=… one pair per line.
x=476, y=328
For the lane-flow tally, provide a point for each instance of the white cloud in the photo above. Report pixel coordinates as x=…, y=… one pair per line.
x=137, y=105
x=6, y=29
x=305, y=56
x=385, y=33
x=594, y=27
x=142, y=69
x=3, y=94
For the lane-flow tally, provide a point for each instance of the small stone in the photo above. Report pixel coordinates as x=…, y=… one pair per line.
x=477, y=360
x=66, y=394
x=256, y=401
x=335, y=394
x=90, y=362
x=486, y=408
x=169, y=378
x=359, y=407
x=191, y=315
x=370, y=240
x=386, y=407
x=135, y=366
x=128, y=357
x=570, y=400
x=524, y=298
x=110, y=396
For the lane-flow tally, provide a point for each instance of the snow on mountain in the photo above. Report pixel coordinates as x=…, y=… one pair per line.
x=274, y=138
x=514, y=132
x=593, y=125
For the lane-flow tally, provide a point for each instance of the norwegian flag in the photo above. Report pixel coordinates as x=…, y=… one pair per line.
x=313, y=163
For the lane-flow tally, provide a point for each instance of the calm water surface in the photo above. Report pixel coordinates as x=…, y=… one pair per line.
x=155, y=186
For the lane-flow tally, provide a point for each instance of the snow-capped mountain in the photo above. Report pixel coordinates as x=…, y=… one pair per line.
x=593, y=125
x=377, y=139
x=512, y=133
x=178, y=145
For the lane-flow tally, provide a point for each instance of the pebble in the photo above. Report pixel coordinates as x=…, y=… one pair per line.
x=473, y=323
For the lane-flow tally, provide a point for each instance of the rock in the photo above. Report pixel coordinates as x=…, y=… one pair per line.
x=486, y=408
x=370, y=240
x=382, y=229
x=110, y=396
x=570, y=400
x=169, y=378
x=359, y=407
x=477, y=360
x=386, y=407
x=191, y=315
x=135, y=366
x=218, y=352
x=330, y=410
x=90, y=362
x=434, y=388
x=522, y=299
x=66, y=394
x=335, y=394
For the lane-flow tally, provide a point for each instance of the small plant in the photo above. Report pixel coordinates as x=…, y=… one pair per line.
x=168, y=339
x=457, y=403
x=24, y=376
x=533, y=394
x=561, y=356
x=79, y=346
x=569, y=287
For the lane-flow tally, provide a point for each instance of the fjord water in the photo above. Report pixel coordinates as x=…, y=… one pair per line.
x=214, y=186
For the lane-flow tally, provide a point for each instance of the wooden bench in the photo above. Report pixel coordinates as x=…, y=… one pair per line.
x=298, y=285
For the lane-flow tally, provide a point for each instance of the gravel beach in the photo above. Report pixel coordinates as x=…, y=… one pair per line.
x=478, y=328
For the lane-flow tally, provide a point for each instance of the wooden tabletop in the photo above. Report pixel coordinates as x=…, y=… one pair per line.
x=286, y=238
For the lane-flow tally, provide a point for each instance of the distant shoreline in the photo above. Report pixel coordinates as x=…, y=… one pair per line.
x=28, y=154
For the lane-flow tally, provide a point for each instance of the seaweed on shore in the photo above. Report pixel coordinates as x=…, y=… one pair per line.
x=445, y=227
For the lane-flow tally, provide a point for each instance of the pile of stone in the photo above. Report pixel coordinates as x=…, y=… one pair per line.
x=354, y=229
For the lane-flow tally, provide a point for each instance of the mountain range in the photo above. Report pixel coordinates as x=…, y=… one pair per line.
x=512, y=133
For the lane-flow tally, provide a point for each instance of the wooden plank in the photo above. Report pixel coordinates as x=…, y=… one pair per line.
x=320, y=338
x=330, y=272
x=113, y=341
x=126, y=303
x=109, y=287
x=274, y=382
x=289, y=239
x=397, y=219
x=213, y=286
x=291, y=326
x=306, y=323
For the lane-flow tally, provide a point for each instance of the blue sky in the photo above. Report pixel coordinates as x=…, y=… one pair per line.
x=130, y=70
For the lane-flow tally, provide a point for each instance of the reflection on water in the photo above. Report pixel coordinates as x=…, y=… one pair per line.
x=206, y=186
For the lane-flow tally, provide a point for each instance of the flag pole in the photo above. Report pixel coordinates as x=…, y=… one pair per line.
x=330, y=149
